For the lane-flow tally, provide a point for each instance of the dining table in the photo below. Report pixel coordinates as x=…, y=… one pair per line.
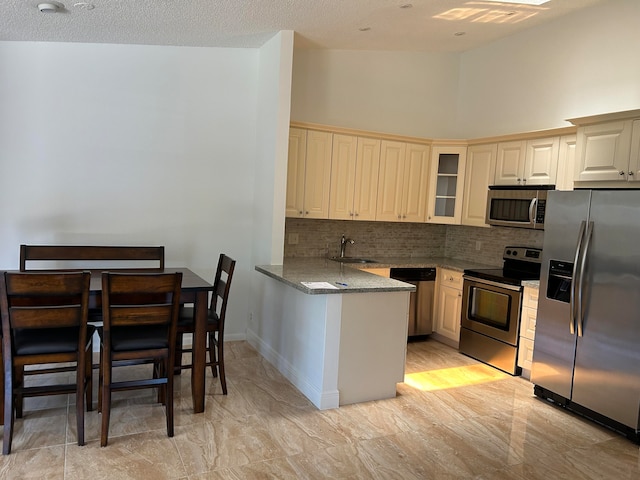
x=195, y=290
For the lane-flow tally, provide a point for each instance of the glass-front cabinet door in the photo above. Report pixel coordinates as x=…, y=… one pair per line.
x=446, y=184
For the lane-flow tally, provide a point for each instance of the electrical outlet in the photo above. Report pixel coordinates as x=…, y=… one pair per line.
x=478, y=245
x=293, y=239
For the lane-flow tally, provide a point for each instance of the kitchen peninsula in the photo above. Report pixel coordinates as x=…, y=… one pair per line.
x=340, y=337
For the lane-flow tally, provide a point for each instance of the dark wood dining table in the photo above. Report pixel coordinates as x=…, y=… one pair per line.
x=194, y=290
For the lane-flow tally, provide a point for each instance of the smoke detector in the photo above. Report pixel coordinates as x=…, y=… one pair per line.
x=50, y=7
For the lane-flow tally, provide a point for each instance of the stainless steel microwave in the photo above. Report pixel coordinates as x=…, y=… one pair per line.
x=522, y=207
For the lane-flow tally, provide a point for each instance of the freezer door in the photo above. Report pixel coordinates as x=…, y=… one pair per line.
x=607, y=369
x=554, y=345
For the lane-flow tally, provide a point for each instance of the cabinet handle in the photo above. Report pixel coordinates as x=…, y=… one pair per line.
x=404, y=216
x=306, y=212
x=399, y=217
x=459, y=294
x=621, y=173
x=356, y=214
x=300, y=212
x=631, y=174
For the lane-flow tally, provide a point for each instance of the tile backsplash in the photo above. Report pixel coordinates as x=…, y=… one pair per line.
x=321, y=238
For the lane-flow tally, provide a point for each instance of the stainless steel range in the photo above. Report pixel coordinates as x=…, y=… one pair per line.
x=491, y=303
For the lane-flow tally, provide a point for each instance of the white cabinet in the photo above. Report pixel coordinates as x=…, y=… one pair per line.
x=308, y=173
x=479, y=174
x=609, y=152
x=403, y=181
x=530, y=162
x=448, y=306
x=446, y=184
x=527, y=329
x=566, y=162
x=355, y=164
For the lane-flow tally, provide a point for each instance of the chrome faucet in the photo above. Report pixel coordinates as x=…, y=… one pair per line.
x=343, y=244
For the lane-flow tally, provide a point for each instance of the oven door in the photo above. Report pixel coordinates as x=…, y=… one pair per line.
x=522, y=208
x=492, y=309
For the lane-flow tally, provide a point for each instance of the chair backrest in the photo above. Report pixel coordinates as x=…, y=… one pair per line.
x=135, y=256
x=221, y=287
x=44, y=300
x=140, y=299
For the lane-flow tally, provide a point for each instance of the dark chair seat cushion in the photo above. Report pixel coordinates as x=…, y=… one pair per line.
x=37, y=341
x=186, y=316
x=138, y=338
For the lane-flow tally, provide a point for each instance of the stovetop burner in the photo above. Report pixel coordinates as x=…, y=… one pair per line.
x=520, y=263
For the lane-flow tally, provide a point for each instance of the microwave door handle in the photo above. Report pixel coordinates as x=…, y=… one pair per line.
x=575, y=280
x=532, y=211
x=583, y=261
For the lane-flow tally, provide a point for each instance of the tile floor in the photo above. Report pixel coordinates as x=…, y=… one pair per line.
x=453, y=418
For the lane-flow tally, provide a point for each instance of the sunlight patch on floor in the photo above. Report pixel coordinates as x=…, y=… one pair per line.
x=453, y=377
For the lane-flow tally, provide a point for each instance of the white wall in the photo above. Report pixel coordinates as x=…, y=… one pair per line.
x=123, y=144
x=407, y=93
x=582, y=64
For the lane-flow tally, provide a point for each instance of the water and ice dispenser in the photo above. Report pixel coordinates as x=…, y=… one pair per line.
x=559, y=280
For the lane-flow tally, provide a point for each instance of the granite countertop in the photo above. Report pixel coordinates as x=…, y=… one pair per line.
x=351, y=278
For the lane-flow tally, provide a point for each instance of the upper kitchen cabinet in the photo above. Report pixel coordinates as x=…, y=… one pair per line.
x=446, y=185
x=308, y=173
x=403, y=182
x=355, y=164
x=566, y=162
x=479, y=174
x=608, y=150
x=527, y=162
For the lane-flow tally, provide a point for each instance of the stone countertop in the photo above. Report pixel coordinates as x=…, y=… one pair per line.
x=353, y=278
x=531, y=283
x=344, y=278
x=424, y=262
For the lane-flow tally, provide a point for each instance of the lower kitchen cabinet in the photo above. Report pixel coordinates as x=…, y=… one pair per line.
x=527, y=329
x=381, y=272
x=448, y=306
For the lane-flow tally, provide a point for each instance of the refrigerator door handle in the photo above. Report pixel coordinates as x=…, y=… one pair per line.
x=532, y=211
x=583, y=261
x=575, y=280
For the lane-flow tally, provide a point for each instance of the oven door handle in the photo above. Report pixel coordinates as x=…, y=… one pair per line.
x=493, y=284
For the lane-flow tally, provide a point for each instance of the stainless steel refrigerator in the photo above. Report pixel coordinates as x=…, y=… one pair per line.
x=586, y=353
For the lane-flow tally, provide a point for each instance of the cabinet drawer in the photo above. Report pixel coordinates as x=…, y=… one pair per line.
x=451, y=278
x=530, y=298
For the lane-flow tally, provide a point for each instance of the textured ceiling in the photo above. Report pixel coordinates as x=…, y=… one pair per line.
x=428, y=26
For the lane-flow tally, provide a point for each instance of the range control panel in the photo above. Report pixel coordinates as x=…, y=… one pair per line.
x=525, y=254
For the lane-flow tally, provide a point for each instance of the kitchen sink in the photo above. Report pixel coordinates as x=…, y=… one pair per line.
x=352, y=260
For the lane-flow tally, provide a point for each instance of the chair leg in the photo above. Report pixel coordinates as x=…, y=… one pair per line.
x=220, y=360
x=169, y=397
x=1, y=386
x=105, y=386
x=213, y=359
x=19, y=382
x=80, y=393
x=8, y=411
x=177, y=365
x=88, y=375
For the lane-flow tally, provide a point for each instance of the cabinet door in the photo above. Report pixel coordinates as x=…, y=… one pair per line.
x=390, y=183
x=510, y=163
x=479, y=174
x=343, y=175
x=416, y=182
x=448, y=312
x=365, y=195
x=295, y=172
x=447, y=180
x=602, y=152
x=566, y=162
x=541, y=161
x=317, y=178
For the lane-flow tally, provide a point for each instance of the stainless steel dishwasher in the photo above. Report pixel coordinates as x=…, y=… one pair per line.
x=421, y=301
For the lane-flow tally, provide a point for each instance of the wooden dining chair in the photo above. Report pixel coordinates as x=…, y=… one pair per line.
x=215, y=322
x=140, y=313
x=44, y=321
